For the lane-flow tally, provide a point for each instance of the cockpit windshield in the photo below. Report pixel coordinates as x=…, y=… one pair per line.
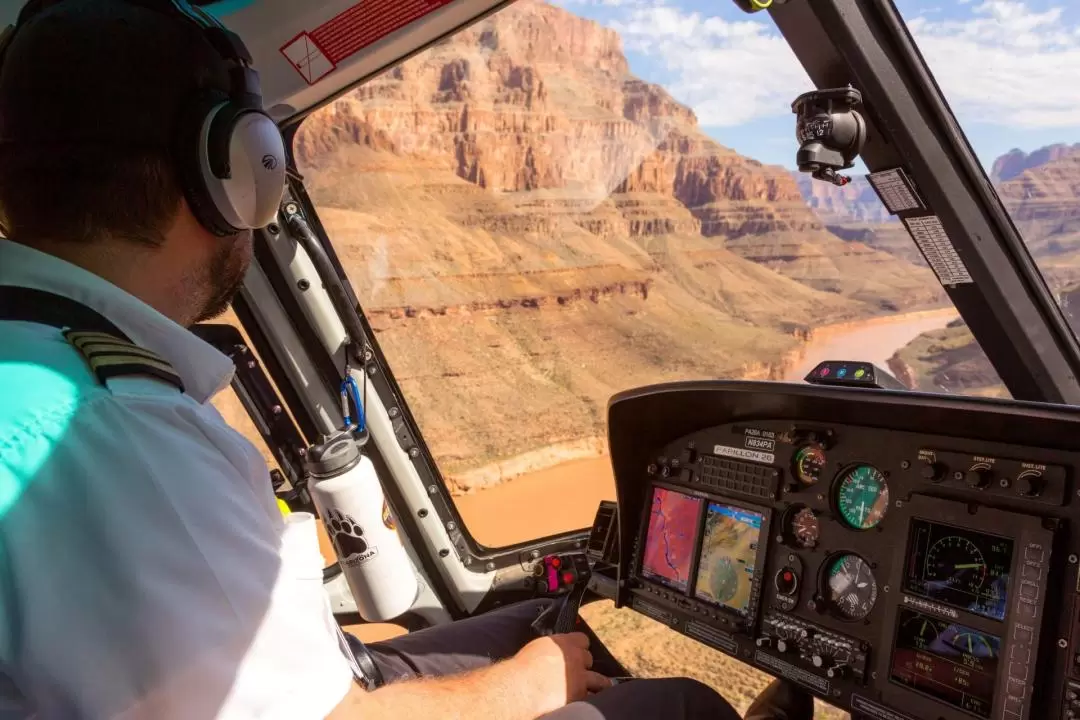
x=1011, y=73
x=570, y=199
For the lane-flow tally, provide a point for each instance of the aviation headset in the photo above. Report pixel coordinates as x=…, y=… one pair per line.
x=229, y=152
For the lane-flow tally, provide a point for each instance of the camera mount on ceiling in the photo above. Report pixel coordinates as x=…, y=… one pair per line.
x=830, y=131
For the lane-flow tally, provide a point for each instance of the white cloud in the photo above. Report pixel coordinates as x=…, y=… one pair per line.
x=1003, y=63
x=730, y=72
x=1006, y=64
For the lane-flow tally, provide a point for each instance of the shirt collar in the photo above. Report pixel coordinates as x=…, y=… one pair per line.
x=204, y=369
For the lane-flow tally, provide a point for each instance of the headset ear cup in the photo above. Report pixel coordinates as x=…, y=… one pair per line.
x=190, y=157
x=245, y=175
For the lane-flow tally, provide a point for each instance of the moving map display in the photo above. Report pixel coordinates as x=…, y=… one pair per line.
x=728, y=555
x=671, y=537
x=963, y=568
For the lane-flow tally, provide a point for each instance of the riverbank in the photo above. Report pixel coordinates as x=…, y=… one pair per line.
x=561, y=485
x=874, y=340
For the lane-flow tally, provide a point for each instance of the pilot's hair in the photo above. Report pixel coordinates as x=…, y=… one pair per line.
x=58, y=193
x=91, y=92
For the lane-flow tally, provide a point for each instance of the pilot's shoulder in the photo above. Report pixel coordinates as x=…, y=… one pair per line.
x=43, y=366
x=124, y=367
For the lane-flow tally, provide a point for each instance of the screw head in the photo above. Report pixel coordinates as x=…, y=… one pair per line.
x=905, y=464
x=534, y=554
x=432, y=489
x=414, y=452
x=444, y=552
x=1073, y=559
x=422, y=512
x=1063, y=643
x=451, y=526
x=490, y=566
x=393, y=412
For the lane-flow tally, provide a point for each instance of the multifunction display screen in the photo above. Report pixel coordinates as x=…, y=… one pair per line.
x=962, y=568
x=728, y=554
x=671, y=539
x=948, y=661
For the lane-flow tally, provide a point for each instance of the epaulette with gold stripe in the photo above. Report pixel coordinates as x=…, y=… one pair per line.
x=110, y=357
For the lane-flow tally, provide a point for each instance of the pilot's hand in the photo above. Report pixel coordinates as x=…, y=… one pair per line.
x=557, y=668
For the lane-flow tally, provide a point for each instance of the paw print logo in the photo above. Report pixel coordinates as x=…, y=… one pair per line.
x=348, y=537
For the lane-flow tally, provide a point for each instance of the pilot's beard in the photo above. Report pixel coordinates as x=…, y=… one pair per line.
x=225, y=274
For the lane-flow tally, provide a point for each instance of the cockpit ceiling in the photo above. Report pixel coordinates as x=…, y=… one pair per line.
x=309, y=52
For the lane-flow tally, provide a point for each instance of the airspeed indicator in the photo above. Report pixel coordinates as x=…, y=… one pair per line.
x=862, y=497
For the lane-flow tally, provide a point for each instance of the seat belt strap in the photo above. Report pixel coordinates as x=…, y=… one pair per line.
x=45, y=308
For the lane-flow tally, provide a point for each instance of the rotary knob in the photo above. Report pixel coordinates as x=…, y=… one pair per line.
x=1030, y=485
x=933, y=471
x=978, y=479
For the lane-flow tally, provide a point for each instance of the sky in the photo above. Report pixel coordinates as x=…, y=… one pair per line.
x=1010, y=69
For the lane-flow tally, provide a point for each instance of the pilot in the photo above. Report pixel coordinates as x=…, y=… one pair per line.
x=145, y=570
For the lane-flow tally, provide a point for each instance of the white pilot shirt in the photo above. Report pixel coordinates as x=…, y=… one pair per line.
x=145, y=571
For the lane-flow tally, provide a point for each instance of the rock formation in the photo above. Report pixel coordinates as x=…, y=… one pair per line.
x=531, y=228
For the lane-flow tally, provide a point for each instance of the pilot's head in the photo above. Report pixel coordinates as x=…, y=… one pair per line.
x=132, y=143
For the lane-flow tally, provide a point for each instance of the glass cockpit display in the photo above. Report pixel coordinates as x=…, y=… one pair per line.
x=671, y=539
x=948, y=661
x=729, y=551
x=966, y=569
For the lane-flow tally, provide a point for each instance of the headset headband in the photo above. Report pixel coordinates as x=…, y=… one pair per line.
x=244, y=81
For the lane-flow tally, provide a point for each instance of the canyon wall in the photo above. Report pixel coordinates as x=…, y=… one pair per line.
x=530, y=228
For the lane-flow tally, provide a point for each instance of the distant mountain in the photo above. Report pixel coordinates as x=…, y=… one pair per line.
x=1042, y=193
x=855, y=202
x=1016, y=161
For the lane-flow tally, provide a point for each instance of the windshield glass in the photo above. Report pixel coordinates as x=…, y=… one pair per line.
x=1010, y=71
x=564, y=202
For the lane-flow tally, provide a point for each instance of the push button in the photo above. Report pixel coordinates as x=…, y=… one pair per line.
x=1029, y=590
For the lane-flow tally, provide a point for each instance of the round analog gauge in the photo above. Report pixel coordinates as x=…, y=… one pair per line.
x=852, y=589
x=956, y=562
x=805, y=528
x=862, y=497
x=809, y=462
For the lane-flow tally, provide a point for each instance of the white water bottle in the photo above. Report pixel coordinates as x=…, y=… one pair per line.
x=346, y=491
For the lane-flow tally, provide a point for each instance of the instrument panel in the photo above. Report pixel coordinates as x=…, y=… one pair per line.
x=898, y=573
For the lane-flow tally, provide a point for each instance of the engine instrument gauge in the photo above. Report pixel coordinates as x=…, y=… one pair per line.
x=805, y=528
x=862, y=497
x=921, y=631
x=851, y=587
x=957, y=562
x=971, y=643
x=809, y=462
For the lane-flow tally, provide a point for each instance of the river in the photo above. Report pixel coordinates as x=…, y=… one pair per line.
x=564, y=497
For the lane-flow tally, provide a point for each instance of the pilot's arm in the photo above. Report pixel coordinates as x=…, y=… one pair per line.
x=146, y=572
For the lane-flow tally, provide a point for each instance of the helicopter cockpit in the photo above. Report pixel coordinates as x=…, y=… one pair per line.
x=810, y=414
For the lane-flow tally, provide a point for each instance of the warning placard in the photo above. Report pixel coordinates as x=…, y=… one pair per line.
x=315, y=53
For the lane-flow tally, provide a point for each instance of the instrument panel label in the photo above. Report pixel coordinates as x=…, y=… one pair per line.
x=872, y=709
x=754, y=441
x=931, y=607
x=791, y=672
x=744, y=454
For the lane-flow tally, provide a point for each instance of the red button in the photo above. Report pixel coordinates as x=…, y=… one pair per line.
x=567, y=578
x=787, y=576
x=555, y=562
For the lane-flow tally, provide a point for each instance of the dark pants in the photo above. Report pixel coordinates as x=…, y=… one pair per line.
x=497, y=635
